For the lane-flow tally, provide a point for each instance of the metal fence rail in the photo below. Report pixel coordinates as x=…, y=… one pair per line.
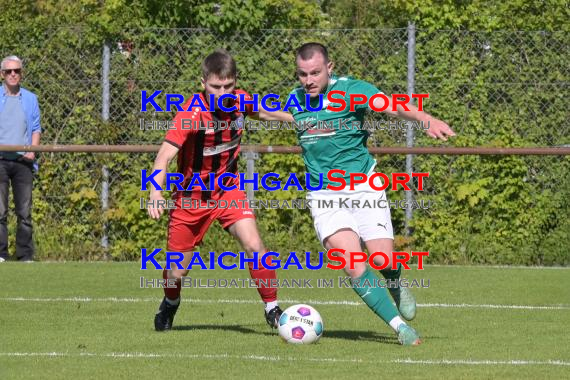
x=504, y=93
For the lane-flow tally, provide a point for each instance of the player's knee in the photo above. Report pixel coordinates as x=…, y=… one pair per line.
x=379, y=260
x=254, y=244
x=178, y=273
x=355, y=272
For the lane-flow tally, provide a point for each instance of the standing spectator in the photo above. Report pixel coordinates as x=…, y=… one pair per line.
x=19, y=125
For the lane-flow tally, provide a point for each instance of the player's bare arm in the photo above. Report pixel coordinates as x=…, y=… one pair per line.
x=438, y=129
x=165, y=154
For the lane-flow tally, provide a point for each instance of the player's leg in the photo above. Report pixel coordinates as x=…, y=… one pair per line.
x=164, y=318
x=186, y=228
x=365, y=283
x=240, y=222
x=375, y=227
x=405, y=300
x=245, y=230
x=337, y=227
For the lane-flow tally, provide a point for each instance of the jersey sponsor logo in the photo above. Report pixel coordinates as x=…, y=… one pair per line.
x=318, y=128
x=320, y=132
x=211, y=151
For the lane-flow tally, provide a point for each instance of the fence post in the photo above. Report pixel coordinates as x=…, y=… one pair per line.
x=105, y=116
x=250, y=157
x=410, y=130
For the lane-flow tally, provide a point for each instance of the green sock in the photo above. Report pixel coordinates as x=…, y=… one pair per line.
x=377, y=298
x=390, y=274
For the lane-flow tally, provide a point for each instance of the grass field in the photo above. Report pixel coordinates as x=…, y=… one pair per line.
x=92, y=320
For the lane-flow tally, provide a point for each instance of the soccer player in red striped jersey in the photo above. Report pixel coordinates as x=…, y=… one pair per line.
x=202, y=150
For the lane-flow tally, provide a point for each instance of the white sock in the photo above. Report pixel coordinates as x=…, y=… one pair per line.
x=270, y=305
x=396, y=322
x=173, y=302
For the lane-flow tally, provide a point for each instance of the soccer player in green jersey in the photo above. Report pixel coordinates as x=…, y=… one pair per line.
x=344, y=148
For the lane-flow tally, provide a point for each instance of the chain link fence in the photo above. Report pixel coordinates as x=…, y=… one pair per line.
x=502, y=89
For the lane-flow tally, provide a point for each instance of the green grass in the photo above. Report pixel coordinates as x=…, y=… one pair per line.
x=214, y=339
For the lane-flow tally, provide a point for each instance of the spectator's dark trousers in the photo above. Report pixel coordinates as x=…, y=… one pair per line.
x=18, y=174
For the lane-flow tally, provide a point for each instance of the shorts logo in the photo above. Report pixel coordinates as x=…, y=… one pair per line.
x=382, y=225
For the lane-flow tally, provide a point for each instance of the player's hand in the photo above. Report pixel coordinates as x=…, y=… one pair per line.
x=439, y=130
x=156, y=211
x=30, y=155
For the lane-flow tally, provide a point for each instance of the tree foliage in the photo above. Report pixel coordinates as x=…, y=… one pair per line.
x=496, y=87
x=478, y=15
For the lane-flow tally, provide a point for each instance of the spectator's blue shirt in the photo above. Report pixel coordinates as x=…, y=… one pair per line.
x=31, y=109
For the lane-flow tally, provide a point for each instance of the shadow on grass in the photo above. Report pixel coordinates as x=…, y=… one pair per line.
x=369, y=336
x=229, y=328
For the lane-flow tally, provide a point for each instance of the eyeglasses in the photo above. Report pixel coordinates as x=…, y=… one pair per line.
x=10, y=71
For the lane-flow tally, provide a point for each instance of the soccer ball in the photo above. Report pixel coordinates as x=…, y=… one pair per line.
x=300, y=324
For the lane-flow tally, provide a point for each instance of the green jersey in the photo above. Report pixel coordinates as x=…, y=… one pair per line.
x=336, y=140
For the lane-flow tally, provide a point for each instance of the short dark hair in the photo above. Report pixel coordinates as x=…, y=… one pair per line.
x=221, y=64
x=306, y=51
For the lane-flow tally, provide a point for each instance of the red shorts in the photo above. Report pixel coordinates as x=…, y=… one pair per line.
x=187, y=226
